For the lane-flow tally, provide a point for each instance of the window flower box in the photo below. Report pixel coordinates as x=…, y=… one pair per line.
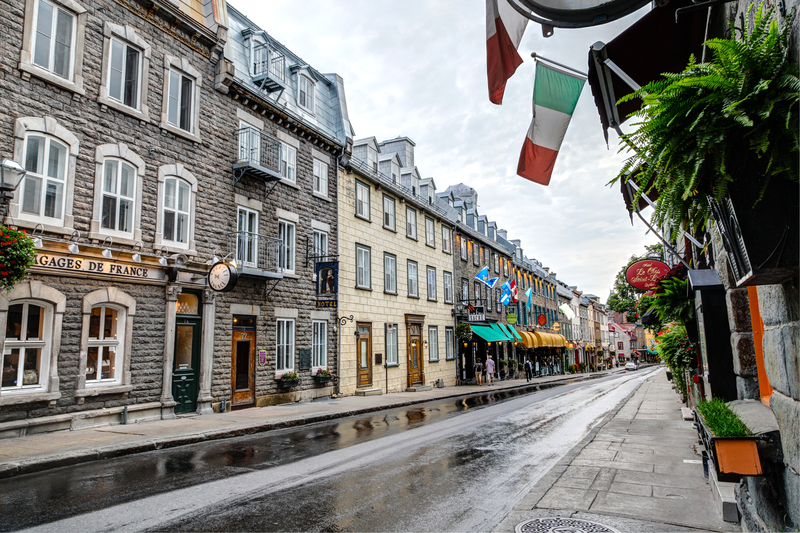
x=288, y=379
x=323, y=375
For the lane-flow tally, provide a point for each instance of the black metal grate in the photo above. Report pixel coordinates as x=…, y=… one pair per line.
x=558, y=524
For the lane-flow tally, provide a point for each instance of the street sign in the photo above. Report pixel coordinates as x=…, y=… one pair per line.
x=478, y=315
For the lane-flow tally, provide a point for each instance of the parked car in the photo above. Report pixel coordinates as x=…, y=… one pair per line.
x=630, y=365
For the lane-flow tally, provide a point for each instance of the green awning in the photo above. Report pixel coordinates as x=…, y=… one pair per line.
x=502, y=331
x=513, y=332
x=488, y=334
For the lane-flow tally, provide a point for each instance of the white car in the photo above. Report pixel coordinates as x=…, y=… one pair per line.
x=630, y=365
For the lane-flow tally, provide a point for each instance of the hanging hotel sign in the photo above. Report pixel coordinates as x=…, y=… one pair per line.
x=327, y=279
x=477, y=314
x=556, y=326
x=68, y=264
x=645, y=274
x=511, y=318
x=541, y=319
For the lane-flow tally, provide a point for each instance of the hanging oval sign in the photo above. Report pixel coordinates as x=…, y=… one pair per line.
x=645, y=274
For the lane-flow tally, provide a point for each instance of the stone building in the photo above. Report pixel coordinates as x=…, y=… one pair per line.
x=396, y=289
x=125, y=115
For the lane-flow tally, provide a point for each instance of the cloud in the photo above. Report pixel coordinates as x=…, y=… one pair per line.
x=417, y=68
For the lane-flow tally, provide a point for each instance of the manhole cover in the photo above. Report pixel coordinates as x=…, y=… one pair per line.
x=562, y=525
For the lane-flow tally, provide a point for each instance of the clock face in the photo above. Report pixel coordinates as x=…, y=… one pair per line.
x=222, y=277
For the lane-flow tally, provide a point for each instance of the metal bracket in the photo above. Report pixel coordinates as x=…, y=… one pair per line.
x=269, y=191
x=238, y=173
x=268, y=289
x=699, y=5
x=315, y=257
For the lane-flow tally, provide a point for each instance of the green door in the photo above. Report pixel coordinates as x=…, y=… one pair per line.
x=186, y=373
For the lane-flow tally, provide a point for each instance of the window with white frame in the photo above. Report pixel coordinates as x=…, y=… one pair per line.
x=286, y=234
x=104, y=354
x=431, y=283
x=247, y=241
x=476, y=254
x=181, y=100
x=305, y=93
x=463, y=242
x=124, y=73
x=389, y=273
x=464, y=290
x=483, y=256
x=433, y=343
x=362, y=200
x=319, y=344
x=413, y=279
x=320, y=177
x=289, y=162
x=389, y=213
x=477, y=289
x=249, y=143
x=488, y=299
x=446, y=240
x=284, y=353
x=448, y=287
x=363, y=267
x=499, y=295
x=449, y=341
x=430, y=232
x=392, y=357
x=54, y=41
x=411, y=223
x=496, y=259
x=119, y=198
x=43, y=189
x=320, y=245
x=27, y=345
x=176, y=211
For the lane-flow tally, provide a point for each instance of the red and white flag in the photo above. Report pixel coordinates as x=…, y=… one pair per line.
x=513, y=286
x=555, y=95
x=504, y=29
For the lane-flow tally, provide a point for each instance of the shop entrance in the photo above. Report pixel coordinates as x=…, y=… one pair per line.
x=243, y=362
x=188, y=333
x=364, y=354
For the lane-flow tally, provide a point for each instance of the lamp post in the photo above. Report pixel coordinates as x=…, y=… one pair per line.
x=11, y=174
x=342, y=321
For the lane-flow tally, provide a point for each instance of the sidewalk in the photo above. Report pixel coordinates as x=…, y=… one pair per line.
x=636, y=471
x=39, y=452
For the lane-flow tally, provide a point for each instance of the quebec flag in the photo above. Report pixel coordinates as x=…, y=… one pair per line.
x=483, y=276
x=505, y=296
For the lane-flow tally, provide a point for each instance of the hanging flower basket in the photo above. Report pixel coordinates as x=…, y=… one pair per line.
x=17, y=254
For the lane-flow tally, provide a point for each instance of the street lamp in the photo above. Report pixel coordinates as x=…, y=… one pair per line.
x=11, y=174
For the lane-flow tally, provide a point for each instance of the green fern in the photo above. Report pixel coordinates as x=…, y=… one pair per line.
x=698, y=128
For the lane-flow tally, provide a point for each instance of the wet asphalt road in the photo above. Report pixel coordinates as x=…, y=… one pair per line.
x=441, y=466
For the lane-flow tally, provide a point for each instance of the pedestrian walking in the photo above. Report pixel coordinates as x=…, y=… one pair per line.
x=528, y=369
x=489, y=371
x=478, y=367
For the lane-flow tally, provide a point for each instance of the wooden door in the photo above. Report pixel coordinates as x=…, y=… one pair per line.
x=243, y=363
x=364, y=355
x=186, y=372
x=415, y=355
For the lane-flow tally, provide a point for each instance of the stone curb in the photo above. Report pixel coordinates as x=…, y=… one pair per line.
x=11, y=469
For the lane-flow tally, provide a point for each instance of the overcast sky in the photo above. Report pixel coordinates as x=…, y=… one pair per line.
x=417, y=68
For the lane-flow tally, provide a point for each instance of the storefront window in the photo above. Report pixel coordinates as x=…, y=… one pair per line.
x=24, y=347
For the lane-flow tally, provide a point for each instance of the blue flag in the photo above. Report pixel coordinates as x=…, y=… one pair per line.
x=505, y=296
x=483, y=276
x=528, y=295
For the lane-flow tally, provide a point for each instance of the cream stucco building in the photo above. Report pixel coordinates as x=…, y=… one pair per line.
x=395, y=273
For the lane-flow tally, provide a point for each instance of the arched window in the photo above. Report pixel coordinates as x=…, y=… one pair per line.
x=177, y=190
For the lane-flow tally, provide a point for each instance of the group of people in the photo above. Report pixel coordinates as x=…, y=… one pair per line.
x=488, y=370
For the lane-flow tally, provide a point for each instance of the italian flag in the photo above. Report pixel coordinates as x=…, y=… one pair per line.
x=504, y=29
x=555, y=94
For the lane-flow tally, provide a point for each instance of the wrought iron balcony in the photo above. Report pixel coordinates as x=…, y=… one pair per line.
x=259, y=155
x=269, y=68
x=256, y=255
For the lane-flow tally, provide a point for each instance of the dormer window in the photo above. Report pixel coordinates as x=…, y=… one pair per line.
x=305, y=93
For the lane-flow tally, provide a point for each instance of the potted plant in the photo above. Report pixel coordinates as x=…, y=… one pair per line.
x=17, y=253
x=464, y=332
x=503, y=364
x=323, y=375
x=678, y=352
x=725, y=132
x=288, y=379
x=731, y=444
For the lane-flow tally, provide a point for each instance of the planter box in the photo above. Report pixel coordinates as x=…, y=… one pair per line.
x=323, y=379
x=286, y=383
x=732, y=457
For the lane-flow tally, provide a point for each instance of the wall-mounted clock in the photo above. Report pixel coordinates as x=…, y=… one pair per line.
x=222, y=277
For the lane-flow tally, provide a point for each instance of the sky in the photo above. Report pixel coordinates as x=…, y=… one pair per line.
x=417, y=68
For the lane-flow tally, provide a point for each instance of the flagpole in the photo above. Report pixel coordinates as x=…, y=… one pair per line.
x=536, y=56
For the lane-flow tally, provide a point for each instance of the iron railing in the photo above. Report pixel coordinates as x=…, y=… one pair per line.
x=254, y=251
x=270, y=62
x=258, y=148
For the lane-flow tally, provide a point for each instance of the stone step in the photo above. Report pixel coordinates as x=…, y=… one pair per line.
x=369, y=392
x=419, y=388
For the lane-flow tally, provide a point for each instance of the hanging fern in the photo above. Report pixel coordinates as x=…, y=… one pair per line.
x=702, y=128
